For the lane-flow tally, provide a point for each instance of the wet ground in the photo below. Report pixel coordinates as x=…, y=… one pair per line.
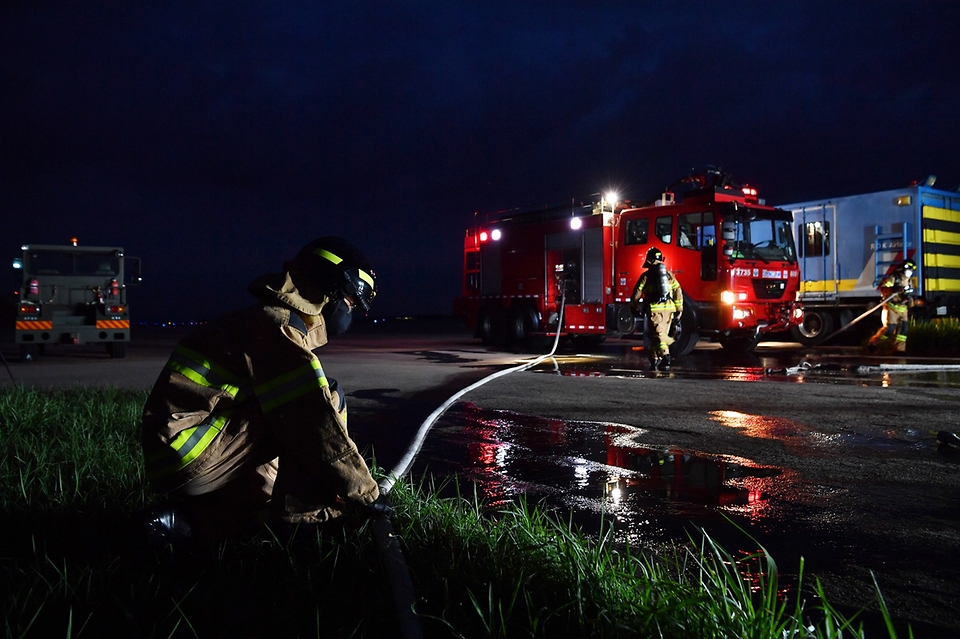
x=826, y=455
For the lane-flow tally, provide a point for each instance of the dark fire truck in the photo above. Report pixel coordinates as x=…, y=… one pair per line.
x=734, y=257
x=73, y=295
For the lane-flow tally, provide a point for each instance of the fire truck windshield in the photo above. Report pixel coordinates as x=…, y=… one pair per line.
x=765, y=239
x=73, y=263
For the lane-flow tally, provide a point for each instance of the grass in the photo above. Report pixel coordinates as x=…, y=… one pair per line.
x=74, y=563
x=938, y=336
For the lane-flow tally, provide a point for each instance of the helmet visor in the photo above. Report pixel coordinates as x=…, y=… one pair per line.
x=359, y=287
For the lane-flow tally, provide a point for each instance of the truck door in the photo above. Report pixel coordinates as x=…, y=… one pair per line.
x=816, y=246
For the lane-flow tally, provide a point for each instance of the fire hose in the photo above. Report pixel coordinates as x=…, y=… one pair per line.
x=398, y=575
x=858, y=318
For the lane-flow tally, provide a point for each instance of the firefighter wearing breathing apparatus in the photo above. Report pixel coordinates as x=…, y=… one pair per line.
x=658, y=293
x=895, y=314
x=243, y=424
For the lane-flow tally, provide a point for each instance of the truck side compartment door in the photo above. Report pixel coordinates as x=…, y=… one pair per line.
x=816, y=246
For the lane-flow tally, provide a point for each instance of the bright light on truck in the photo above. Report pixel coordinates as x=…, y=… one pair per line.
x=612, y=197
x=495, y=234
x=727, y=297
x=17, y=263
x=576, y=223
x=483, y=236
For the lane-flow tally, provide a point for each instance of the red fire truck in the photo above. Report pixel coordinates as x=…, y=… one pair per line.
x=734, y=257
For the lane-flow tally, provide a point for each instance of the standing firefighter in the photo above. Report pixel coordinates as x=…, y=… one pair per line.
x=243, y=425
x=895, y=315
x=658, y=293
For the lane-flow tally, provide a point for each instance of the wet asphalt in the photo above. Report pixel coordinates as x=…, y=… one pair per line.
x=825, y=454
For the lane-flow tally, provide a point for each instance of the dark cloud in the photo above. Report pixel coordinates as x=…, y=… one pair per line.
x=214, y=140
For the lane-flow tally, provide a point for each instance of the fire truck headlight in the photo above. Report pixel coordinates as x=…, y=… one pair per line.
x=727, y=297
x=495, y=235
x=798, y=312
x=740, y=313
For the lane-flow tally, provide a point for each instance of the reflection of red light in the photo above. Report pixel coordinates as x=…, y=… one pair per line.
x=753, y=496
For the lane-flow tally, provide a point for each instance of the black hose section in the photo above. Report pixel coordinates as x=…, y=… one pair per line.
x=398, y=575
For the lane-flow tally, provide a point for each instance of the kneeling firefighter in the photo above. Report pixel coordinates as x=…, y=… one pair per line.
x=243, y=425
x=657, y=292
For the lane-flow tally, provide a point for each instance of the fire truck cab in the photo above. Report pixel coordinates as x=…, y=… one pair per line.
x=734, y=257
x=73, y=295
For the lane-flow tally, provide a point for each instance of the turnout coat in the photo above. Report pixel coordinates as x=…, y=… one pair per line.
x=244, y=401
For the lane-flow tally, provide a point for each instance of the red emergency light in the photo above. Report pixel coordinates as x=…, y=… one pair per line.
x=484, y=236
x=749, y=194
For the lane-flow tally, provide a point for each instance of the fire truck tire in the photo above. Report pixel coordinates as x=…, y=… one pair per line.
x=29, y=352
x=490, y=329
x=523, y=323
x=689, y=335
x=817, y=325
x=116, y=350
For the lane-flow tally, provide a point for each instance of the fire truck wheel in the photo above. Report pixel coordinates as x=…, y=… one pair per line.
x=490, y=329
x=688, y=338
x=523, y=322
x=816, y=326
x=29, y=352
x=116, y=349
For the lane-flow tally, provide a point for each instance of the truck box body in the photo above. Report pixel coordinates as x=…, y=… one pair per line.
x=847, y=244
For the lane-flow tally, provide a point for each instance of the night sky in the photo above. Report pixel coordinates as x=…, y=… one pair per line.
x=213, y=139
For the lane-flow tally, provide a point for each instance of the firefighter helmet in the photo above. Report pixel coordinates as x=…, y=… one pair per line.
x=654, y=257
x=909, y=265
x=337, y=269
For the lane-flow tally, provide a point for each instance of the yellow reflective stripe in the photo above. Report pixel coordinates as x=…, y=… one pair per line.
x=943, y=284
x=946, y=261
x=290, y=385
x=199, y=370
x=185, y=447
x=327, y=255
x=936, y=236
x=937, y=213
x=663, y=306
x=366, y=278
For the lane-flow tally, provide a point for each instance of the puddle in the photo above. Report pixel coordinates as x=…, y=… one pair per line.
x=603, y=472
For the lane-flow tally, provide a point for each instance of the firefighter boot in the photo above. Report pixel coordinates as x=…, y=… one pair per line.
x=665, y=362
x=654, y=362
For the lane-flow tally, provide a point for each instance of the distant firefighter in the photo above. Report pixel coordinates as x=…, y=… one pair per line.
x=895, y=313
x=243, y=425
x=658, y=293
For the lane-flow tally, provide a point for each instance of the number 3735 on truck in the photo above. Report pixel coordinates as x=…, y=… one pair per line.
x=734, y=257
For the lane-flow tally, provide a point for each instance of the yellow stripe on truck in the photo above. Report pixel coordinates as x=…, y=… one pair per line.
x=936, y=213
x=936, y=236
